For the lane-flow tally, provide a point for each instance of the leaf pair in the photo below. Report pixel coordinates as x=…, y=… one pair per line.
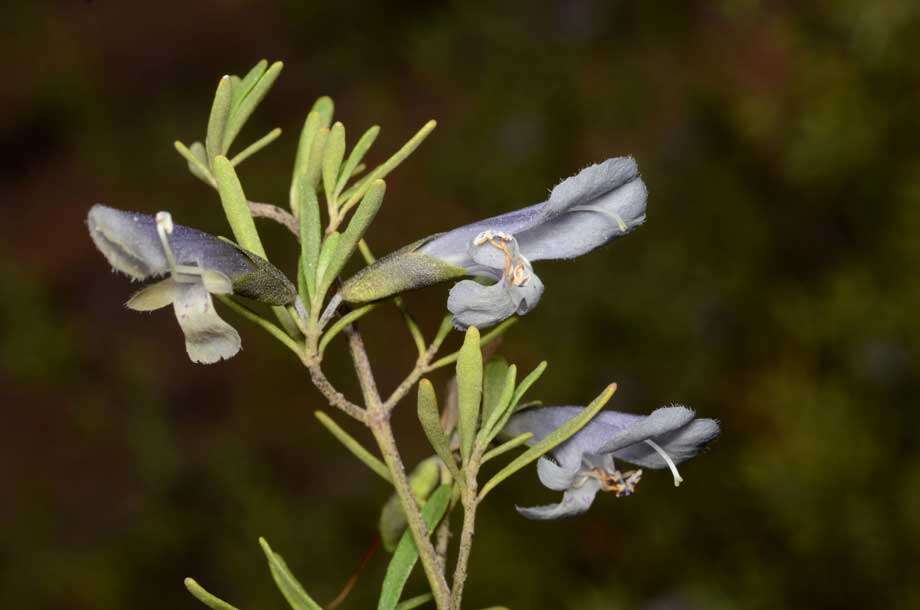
x=234, y=102
x=289, y=586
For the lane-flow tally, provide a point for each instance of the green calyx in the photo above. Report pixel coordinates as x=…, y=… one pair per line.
x=263, y=282
x=405, y=269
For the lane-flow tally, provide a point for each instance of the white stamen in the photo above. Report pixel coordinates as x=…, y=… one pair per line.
x=612, y=215
x=165, y=228
x=677, y=478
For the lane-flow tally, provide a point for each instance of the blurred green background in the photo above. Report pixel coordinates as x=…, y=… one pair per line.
x=774, y=286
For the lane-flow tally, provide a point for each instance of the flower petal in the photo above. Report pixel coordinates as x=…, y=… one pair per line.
x=555, y=477
x=131, y=244
x=154, y=296
x=476, y=305
x=207, y=337
x=574, y=502
x=660, y=421
x=680, y=445
x=585, y=211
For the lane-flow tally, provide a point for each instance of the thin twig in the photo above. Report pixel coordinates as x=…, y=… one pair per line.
x=279, y=215
x=379, y=423
x=335, y=398
x=466, y=538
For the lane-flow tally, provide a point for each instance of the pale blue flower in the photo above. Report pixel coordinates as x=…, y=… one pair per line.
x=196, y=264
x=583, y=212
x=584, y=464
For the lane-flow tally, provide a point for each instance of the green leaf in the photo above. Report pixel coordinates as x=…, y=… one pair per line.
x=325, y=255
x=352, y=444
x=469, y=390
x=447, y=323
x=489, y=337
x=292, y=590
x=355, y=193
x=415, y=602
x=493, y=383
x=528, y=381
x=430, y=417
x=197, y=159
x=236, y=207
x=311, y=127
x=332, y=162
x=256, y=146
x=517, y=441
x=357, y=226
x=307, y=208
x=493, y=428
x=551, y=440
x=315, y=166
x=217, y=122
x=406, y=554
x=422, y=481
x=354, y=158
x=249, y=102
x=242, y=86
x=326, y=108
x=209, y=600
x=343, y=323
x=502, y=406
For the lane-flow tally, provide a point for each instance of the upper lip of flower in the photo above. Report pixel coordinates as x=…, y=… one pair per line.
x=584, y=464
x=612, y=192
x=582, y=212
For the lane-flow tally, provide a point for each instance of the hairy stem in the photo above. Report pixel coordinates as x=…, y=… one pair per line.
x=335, y=398
x=379, y=423
x=273, y=212
x=466, y=538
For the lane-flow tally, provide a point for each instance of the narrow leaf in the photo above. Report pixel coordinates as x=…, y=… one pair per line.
x=325, y=255
x=392, y=163
x=326, y=108
x=332, y=162
x=209, y=600
x=447, y=323
x=242, y=86
x=469, y=389
x=415, y=602
x=430, y=417
x=528, y=381
x=256, y=146
x=315, y=166
x=290, y=588
x=406, y=553
x=489, y=337
x=343, y=323
x=495, y=427
x=493, y=383
x=249, y=102
x=235, y=206
x=357, y=226
x=217, y=121
x=551, y=440
x=304, y=145
x=352, y=444
x=517, y=441
x=502, y=406
x=354, y=158
x=197, y=162
x=310, y=230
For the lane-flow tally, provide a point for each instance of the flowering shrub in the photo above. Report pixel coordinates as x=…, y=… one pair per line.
x=486, y=416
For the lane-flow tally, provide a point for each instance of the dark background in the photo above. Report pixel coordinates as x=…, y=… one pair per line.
x=774, y=286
